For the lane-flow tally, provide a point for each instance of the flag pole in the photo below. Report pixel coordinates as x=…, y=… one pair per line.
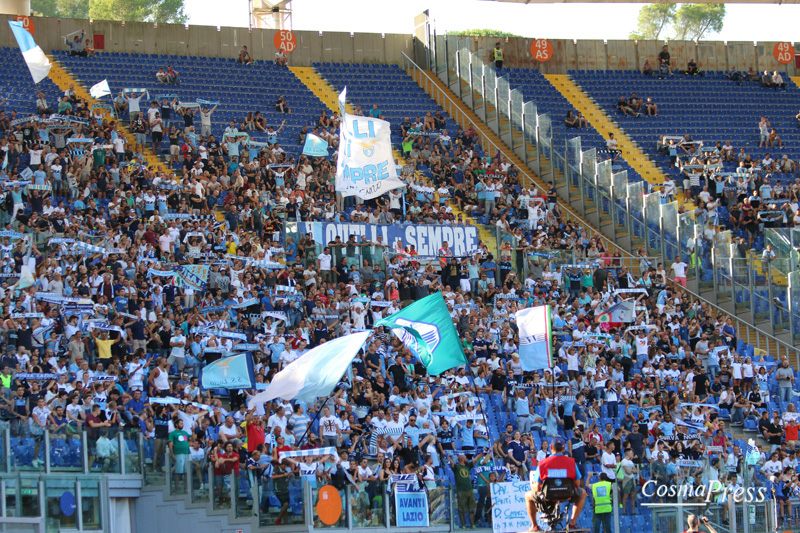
x=483, y=413
x=316, y=416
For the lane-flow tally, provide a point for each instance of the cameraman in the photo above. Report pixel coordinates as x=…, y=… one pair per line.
x=694, y=524
x=555, y=468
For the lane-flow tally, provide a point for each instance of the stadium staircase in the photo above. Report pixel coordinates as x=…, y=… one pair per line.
x=62, y=77
x=684, y=104
x=465, y=116
x=602, y=123
x=442, y=94
x=158, y=510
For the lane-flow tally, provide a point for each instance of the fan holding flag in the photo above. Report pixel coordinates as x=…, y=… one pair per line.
x=616, y=315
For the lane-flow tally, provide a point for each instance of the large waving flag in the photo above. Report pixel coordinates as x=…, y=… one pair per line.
x=34, y=57
x=619, y=312
x=314, y=374
x=535, y=338
x=234, y=372
x=315, y=147
x=100, y=90
x=365, y=164
x=426, y=328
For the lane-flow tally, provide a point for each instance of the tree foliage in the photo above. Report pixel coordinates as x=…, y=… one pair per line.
x=484, y=33
x=687, y=21
x=127, y=10
x=78, y=9
x=695, y=21
x=654, y=19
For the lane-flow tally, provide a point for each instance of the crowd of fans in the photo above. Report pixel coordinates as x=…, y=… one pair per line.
x=729, y=187
x=98, y=340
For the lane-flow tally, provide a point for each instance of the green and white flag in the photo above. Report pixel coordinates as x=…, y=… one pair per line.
x=426, y=328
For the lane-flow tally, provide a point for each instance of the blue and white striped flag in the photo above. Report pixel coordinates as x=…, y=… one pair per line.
x=38, y=64
x=330, y=450
x=314, y=374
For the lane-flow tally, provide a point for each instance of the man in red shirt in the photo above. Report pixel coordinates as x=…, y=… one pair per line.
x=254, y=429
x=792, y=428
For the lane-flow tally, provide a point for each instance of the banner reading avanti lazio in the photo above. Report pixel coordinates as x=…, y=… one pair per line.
x=426, y=239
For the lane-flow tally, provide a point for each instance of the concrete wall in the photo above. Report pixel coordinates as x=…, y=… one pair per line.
x=15, y=7
x=376, y=48
x=177, y=39
x=630, y=55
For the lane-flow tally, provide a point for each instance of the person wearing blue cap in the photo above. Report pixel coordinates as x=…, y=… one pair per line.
x=548, y=487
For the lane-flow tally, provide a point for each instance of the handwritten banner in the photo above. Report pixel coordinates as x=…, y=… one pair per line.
x=509, y=511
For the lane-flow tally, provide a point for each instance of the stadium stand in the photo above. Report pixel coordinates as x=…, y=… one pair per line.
x=119, y=226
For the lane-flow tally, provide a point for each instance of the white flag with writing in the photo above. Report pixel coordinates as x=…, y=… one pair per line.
x=100, y=89
x=366, y=166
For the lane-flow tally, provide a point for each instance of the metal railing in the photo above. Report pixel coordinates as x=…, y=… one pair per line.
x=629, y=214
x=455, y=111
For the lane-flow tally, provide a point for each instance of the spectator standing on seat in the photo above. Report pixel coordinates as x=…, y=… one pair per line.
x=205, y=121
x=497, y=57
x=244, y=56
x=785, y=377
x=464, y=491
x=139, y=129
x=187, y=113
x=156, y=133
x=179, y=450
x=664, y=57
x=763, y=132
x=678, y=269
x=76, y=45
x=133, y=103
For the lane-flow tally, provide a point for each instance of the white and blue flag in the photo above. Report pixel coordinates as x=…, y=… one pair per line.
x=34, y=57
x=314, y=374
x=365, y=166
x=100, y=90
x=535, y=338
x=315, y=147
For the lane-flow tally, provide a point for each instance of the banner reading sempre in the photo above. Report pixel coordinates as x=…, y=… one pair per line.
x=427, y=239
